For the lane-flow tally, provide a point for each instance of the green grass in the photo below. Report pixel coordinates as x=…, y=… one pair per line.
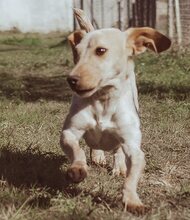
x=25, y=41
x=166, y=75
x=34, y=100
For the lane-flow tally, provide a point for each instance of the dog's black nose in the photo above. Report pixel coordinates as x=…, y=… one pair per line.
x=72, y=80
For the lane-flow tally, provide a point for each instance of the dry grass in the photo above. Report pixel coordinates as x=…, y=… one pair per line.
x=34, y=100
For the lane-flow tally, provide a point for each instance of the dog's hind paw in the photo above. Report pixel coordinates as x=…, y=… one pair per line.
x=119, y=171
x=98, y=157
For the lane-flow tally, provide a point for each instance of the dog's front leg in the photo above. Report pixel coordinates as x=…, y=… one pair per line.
x=135, y=164
x=70, y=145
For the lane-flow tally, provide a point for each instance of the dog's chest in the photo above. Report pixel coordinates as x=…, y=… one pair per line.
x=102, y=136
x=103, y=131
x=104, y=124
x=103, y=114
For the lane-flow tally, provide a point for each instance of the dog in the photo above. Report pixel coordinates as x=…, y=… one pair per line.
x=104, y=109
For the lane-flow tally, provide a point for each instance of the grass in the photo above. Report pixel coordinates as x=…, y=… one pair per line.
x=25, y=41
x=34, y=100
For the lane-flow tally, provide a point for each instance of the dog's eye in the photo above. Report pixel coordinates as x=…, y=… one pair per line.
x=100, y=51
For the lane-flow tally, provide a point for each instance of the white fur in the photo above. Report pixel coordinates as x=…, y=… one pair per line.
x=107, y=118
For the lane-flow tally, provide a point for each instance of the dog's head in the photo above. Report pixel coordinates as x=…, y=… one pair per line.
x=101, y=56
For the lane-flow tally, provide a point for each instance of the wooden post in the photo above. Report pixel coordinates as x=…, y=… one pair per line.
x=119, y=14
x=141, y=10
x=171, y=19
x=134, y=15
x=74, y=21
x=92, y=11
x=178, y=22
x=154, y=13
x=82, y=4
x=102, y=13
x=148, y=13
x=129, y=13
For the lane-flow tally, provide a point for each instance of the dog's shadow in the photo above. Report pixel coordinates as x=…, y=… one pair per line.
x=27, y=169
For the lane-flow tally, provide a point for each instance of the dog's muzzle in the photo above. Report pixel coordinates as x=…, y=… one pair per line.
x=74, y=82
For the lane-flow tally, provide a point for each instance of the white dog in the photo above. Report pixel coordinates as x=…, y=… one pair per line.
x=104, y=108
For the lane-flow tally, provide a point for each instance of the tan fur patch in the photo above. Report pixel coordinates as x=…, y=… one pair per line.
x=142, y=38
x=88, y=77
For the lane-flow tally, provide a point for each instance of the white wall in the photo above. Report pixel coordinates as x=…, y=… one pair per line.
x=36, y=15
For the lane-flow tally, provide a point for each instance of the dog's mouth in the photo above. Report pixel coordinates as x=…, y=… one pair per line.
x=85, y=92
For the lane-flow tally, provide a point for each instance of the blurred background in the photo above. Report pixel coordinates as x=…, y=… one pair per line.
x=171, y=17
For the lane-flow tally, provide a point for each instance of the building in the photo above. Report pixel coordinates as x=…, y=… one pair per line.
x=36, y=15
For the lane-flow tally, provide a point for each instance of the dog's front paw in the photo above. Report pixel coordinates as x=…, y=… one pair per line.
x=77, y=172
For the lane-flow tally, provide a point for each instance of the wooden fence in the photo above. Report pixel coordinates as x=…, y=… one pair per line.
x=121, y=14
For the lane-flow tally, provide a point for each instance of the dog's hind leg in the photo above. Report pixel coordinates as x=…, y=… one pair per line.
x=98, y=157
x=119, y=165
x=135, y=164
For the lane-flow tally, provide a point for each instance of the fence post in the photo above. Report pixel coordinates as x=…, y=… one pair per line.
x=129, y=13
x=92, y=11
x=148, y=12
x=82, y=4
x=102, y=12
x=74, y=21
x=133, y=13
x=171, y=18
x=178, y=22
x=154, y=13
x=119, y=14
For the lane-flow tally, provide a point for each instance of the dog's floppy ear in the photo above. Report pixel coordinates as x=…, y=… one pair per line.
x=74, y=39
x=142, y=38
